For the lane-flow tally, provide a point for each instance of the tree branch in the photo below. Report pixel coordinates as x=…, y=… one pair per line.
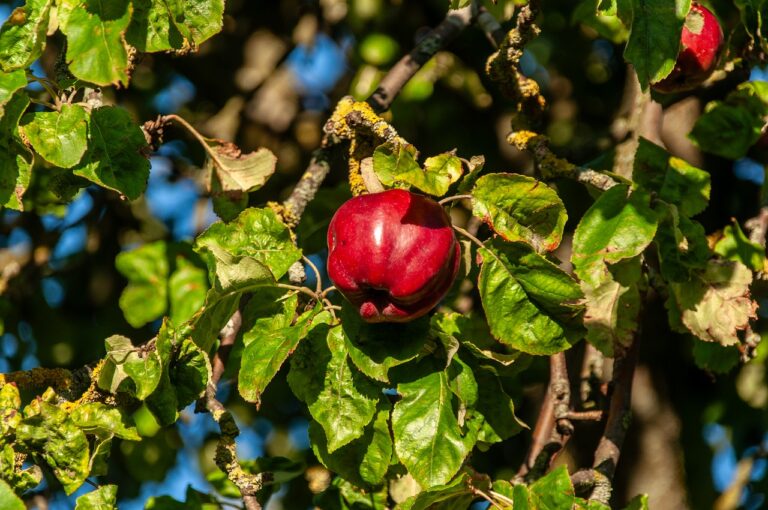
x=226, y=450
x=381, y=100
x=394, y=81
x=553, y=428
x=619, y=415
x=552, y=167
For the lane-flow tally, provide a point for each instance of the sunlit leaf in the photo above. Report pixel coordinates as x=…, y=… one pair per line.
x=395, y=165
x=520, y=208
x=255, y=233
x=48, y=429
x=15, y=158
x=365, y=460
x=8, y=499
x=525, y=300
x=102, y=498
x=340, y=398
x=654, y=37
x=267, y=349
x=96, y=47
x=9, y=84
x=59, y=137
x=22, y=37
x=115, y=158
x=428, y=439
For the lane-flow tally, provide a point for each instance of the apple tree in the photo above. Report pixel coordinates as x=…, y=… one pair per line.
x=375, y=254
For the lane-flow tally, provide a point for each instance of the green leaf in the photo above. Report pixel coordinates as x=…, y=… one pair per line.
x=672, y=178
x=455, y=495
x=462, y=382
x=161, y=275
x=682, y=245
x=255, y=233
x=19, y=479
x=115, y=159
x=22, y=37
x=475, y=166
x=428, y=439
x=554, y=490
x=59, y=137
x=729, y=128
x=618, y=226
x=103, y=498
x=164, y=401
x=604, y=21
x=654, y=37
x=376, y=348
x=520, y=208
x=145, y=298
x=161, y=25
x=458, y=4
x=102, y=420
x=365, y=460
x=396, y=166
x=473, y=333
x=8, y=499
x=736, y=246
x=613, y=306
x=715, y=357
x=96, y=48
x=9, y=84
x=129, y=369
x=266, y=349
x=523, y=303
x=341, y=399
x=48, y=430
x=15, y=159
x=715, y=304
x=495, y=407
x=639, y=502
x=194, y=500
x=190, y=372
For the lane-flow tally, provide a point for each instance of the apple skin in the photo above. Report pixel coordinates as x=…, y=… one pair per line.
x=698, y=52
x=393, y=254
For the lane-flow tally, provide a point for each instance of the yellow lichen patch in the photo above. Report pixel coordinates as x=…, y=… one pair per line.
x=523, y=139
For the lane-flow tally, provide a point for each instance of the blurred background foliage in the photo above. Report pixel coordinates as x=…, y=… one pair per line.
x=269, y=80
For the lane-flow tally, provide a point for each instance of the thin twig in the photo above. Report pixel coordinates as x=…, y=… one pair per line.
x=394, y=81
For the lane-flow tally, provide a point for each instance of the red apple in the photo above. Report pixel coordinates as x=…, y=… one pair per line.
x=392, y=254
x=700, y=41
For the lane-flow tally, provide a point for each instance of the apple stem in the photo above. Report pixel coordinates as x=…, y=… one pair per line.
x=474, y=239
x=454, y=198
x=318, y=278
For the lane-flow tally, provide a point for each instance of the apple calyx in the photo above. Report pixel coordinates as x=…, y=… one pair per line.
x=393, y=255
